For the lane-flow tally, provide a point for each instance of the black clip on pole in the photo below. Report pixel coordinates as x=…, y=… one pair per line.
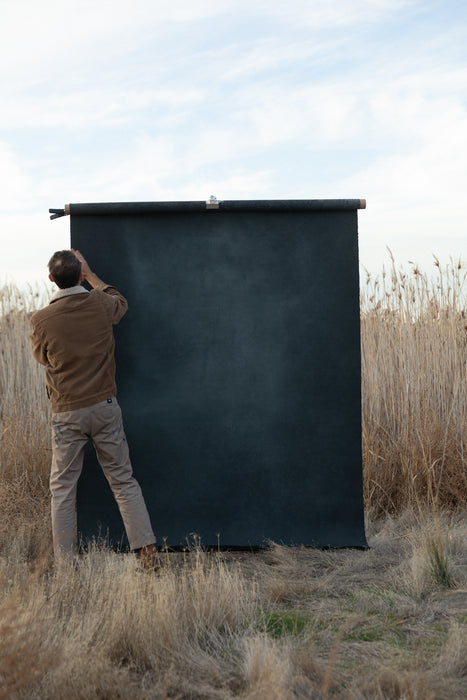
x=56, y=213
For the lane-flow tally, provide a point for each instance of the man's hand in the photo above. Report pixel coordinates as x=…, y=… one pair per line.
x=88, y=274
x=85, y=269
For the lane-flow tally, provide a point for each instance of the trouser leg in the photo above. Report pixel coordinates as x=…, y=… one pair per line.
x=68, y=443
x=112, y=452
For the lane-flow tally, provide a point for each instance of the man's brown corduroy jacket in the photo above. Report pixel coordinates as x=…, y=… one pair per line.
x=73, y=338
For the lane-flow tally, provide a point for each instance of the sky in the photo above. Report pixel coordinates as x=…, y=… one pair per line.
x=107, y=101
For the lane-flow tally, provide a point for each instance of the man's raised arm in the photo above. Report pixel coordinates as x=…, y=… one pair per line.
x=119, y=301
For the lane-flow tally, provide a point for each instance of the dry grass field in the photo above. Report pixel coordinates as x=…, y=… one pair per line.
x=386, y=623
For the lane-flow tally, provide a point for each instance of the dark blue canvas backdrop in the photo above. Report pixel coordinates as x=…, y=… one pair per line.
x=238, y=372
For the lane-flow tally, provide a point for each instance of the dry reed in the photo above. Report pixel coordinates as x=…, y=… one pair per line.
x=414, y=388
x=24, y=406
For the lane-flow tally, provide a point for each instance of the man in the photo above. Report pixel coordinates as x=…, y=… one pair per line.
x=73, y=338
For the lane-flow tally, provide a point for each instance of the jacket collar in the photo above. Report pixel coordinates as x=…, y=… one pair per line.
x=78, y=289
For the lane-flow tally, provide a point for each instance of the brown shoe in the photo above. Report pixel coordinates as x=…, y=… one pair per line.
x=149, y=558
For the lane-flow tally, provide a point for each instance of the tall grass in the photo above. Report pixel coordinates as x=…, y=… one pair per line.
x=24, y=406
x=414, y=387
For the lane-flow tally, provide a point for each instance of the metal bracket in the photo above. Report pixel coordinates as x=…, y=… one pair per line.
x=212, y=203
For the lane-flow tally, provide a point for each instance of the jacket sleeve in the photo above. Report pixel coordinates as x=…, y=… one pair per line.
x=115, y=303
x=39, y=347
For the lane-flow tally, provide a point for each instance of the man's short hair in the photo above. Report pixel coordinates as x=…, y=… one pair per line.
x=65, y=269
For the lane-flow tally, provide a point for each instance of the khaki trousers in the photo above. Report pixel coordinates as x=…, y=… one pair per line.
x=71, y=430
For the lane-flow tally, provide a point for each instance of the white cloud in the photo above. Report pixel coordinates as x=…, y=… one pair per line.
x=27, y=242
x=251, y=58
x=321, y=14
x=36, y=35
x=53, y=40
x=99, y=107
x=236, y=184
x=416, y=200
x=14, y=182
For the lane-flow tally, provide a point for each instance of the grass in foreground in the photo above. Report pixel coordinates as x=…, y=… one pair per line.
x=283, y=623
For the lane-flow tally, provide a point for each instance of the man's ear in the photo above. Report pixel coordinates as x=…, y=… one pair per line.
x=50, y=277
x=81, y=277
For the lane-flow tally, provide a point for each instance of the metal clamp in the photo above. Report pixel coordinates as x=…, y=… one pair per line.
x=212, y=203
